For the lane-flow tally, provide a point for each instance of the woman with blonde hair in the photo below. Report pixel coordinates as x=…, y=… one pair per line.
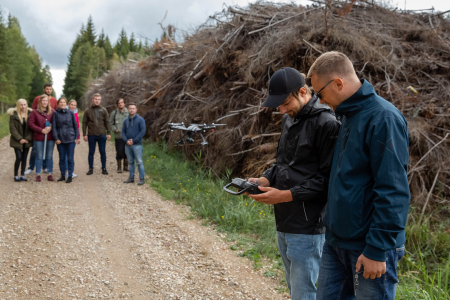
x=40, y=123
x=21, y=136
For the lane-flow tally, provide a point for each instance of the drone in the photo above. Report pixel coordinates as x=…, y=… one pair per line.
x=191, y=130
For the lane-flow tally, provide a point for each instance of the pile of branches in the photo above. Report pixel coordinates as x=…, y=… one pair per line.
x=221, y=72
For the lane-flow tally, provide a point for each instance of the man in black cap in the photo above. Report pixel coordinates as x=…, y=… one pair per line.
x=297, y=184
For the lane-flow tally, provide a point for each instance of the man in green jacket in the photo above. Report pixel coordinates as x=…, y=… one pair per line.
x=116, y=121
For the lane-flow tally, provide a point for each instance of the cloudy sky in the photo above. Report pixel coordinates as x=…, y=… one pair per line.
x=51, y=26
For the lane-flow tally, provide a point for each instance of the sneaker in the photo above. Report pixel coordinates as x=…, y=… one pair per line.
x=90, y=172
x=45, y=170
x=23, y=178
x=74, y=175
x=104, y=172
x=141, y=181
x=129, y=180
x=38, y=178
x=16, y=179
x=50, y=178
x=63, y=178
x=69, y=180
x=28, y=171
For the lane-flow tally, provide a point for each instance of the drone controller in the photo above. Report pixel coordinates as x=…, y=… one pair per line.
x=244, y=186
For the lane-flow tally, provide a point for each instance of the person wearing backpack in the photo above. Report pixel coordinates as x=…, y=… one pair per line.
x=116, y=121
x=21, y=136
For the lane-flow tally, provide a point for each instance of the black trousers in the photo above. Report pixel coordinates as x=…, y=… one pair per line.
x=21, y=157
x=120, y=149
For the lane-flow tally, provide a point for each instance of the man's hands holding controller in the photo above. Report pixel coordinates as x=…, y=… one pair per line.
x=271, y=195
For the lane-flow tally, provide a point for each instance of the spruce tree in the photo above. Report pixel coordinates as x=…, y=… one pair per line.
x=101, y=40
x=89, y=33
x=133, y=46
x=122, y=47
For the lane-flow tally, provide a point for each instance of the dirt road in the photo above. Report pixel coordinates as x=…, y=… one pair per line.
x=98, y=238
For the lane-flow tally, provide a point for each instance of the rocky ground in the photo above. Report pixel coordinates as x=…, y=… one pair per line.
x=98, y=238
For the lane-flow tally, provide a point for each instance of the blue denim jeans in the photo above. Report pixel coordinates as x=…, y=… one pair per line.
x=101, y=140
x=337, y=276
x=39, y=145
x=301, y=257
x=133, y=153
x=66, y=161
x=32, y=163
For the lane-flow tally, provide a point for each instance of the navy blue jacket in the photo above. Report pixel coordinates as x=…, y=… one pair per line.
x=64, y=126
x=368, y=196
x=133, y=128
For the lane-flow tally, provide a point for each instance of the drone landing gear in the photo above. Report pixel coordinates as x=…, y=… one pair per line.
x=204, y=143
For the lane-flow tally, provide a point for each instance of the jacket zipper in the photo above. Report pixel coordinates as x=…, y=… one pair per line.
x=304, y=210
x=341, y=155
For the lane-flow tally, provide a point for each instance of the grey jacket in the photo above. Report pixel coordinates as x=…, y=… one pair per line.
x=64, y=127
x=116, y=119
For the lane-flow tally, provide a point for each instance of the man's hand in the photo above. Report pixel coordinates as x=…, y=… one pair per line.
x=262, y=181
x=272, y=196
x=58, y=142
x=372, y=268
x=130, y=142
x=108, y=137
x=85, y=138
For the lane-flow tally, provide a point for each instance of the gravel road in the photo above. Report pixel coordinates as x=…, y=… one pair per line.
x=98, y=238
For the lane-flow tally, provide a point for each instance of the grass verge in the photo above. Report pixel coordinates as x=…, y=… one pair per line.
x=424, y=273
x=4, y=125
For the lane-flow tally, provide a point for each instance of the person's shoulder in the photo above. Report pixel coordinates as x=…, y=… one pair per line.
x=386, y=110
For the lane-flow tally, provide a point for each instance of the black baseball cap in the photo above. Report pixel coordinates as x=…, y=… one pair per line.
x=282, y=83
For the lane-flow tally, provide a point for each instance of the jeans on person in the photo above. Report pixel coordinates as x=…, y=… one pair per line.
x=120, y=149
x=32, y=163
x=101, y=140
x=21, y=158
x=301, y=258
x=134, y=152
x=39, y=145
x=66, y=161
x=337, y=278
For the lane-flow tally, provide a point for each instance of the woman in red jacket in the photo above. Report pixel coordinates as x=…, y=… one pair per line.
x=38, y=118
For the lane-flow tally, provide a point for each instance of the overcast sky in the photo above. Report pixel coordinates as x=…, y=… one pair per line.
x=51, y=26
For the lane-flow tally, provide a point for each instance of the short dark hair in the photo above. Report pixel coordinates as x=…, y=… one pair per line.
x=48, y=84
x=132, y=103
x=117, y=102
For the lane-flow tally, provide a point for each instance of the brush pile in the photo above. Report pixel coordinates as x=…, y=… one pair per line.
x=221, y=72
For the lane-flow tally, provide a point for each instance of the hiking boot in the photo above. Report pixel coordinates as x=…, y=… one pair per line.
x=38, y=178
x=125, y=165
x=129, y=180
x=50, y=178
x=141, y=181
x=69, y=179
x=23, y=178
x=119, y=166
x=90, y=172
x=63, y=178
x=104, y=172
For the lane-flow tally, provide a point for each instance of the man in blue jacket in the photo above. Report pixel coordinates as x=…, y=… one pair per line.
x=133, y=131
x=368, y=198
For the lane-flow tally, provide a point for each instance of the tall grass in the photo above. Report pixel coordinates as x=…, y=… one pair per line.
x=424, y=273
x=4, y=125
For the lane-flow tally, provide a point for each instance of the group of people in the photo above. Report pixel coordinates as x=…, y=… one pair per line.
x=50, y=121
x=339, y=185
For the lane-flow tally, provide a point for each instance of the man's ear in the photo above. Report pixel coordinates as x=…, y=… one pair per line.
x=339, y=83
x=302, y=91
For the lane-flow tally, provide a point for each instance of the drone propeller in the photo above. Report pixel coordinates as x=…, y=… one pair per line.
x=175, y=124
x=218, y=124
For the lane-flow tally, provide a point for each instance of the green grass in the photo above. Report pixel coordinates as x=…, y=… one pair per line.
x=4, y=125
x=250, y=226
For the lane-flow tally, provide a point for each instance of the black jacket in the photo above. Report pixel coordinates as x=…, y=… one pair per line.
x=304, y=156
x=64, y=127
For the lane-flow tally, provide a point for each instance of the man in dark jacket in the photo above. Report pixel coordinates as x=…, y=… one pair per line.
x=298, y=183
x=368, y=198
x=133, y=131
x=96, y=129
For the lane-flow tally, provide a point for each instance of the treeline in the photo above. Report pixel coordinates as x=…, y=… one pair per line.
x=93, y=55
x=22, y=74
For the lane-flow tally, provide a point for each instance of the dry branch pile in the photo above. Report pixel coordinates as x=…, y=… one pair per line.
x=221, y=72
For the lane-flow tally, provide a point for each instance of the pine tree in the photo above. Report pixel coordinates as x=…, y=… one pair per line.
x=68, y=82
x=122, y=47
x=109, y=51
x=7, y=89
x=133, y=47
x=101, y=40
x=89, y=33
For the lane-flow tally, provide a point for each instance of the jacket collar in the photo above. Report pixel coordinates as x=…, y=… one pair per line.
x=62, y=110
x=125, y=111
x=136, y=115
x=312, y=107
x=357, y=101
